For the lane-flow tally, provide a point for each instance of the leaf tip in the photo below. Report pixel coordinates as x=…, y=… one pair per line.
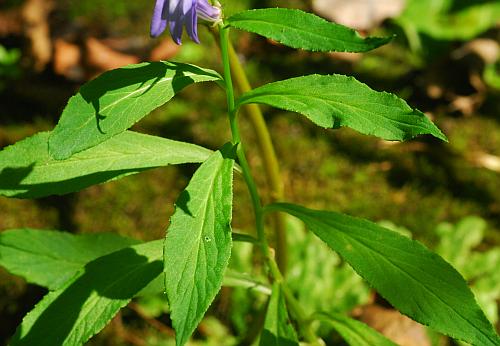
x=437, y=133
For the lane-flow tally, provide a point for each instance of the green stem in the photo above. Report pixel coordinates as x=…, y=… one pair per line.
x=274, y=269
x=303, y=321
x=224, y=40
x=268, y=155
x=245, y=168
x=412, y=37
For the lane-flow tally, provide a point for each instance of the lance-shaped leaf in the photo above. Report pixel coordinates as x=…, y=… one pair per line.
x=28, y=171
x=299, y=29
x=72, y=314
x=416, y=281
x=116, y=100
x=278, y=329
x=354, y=332
x=198, y=242
x=336, y=100
x=51, y=258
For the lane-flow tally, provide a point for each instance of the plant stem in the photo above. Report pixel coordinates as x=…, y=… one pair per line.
x=274, y=269
x=268, y=154
x=303, y=322
x=224, y=41
x=252, y=187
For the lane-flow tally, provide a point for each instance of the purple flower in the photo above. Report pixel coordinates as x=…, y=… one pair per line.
x=179, y=13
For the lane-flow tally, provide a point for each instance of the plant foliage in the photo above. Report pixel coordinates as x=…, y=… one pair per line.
x=92, y=277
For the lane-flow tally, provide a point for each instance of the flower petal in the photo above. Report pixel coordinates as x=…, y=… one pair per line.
x=175, y=7
x=176, y=31
x=192, y=22
x=207, y=12
x=159, y=19
x=177, y=16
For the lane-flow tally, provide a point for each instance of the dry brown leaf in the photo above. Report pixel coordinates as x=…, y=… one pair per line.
x=486, y=48
x=359, y=14
x=103, y=58
x=67, y=60
x=467, y=105
x=10, y=22
x=395, y=326
x=35, y=15
x=485, y=160
x=166, y=50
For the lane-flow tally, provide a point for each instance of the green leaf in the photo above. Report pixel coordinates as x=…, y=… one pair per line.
x=336, y=100
x=354, y=332
x=318, y=278
x=28, y=171
x=299, y=29
x=198, y=242
x=415, y=280
x=479, y=268
x=51, y=258
x=457, y=242
x=245, y=238
x=235, y=279
x=444, y=22
x=116, y=100
x=83, y=306
x=278, y=329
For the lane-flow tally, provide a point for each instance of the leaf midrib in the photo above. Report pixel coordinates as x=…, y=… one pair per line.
x=105, y=290
x=198, y=243
x=359, y=241
x=315, y=34
x=54, y=164
x=45, y=255
x=335, y=104
x=103, y=157
x=131, y=94
x=146, y=87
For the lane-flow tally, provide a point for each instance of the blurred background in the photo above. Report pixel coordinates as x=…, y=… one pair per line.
x=444, y=60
